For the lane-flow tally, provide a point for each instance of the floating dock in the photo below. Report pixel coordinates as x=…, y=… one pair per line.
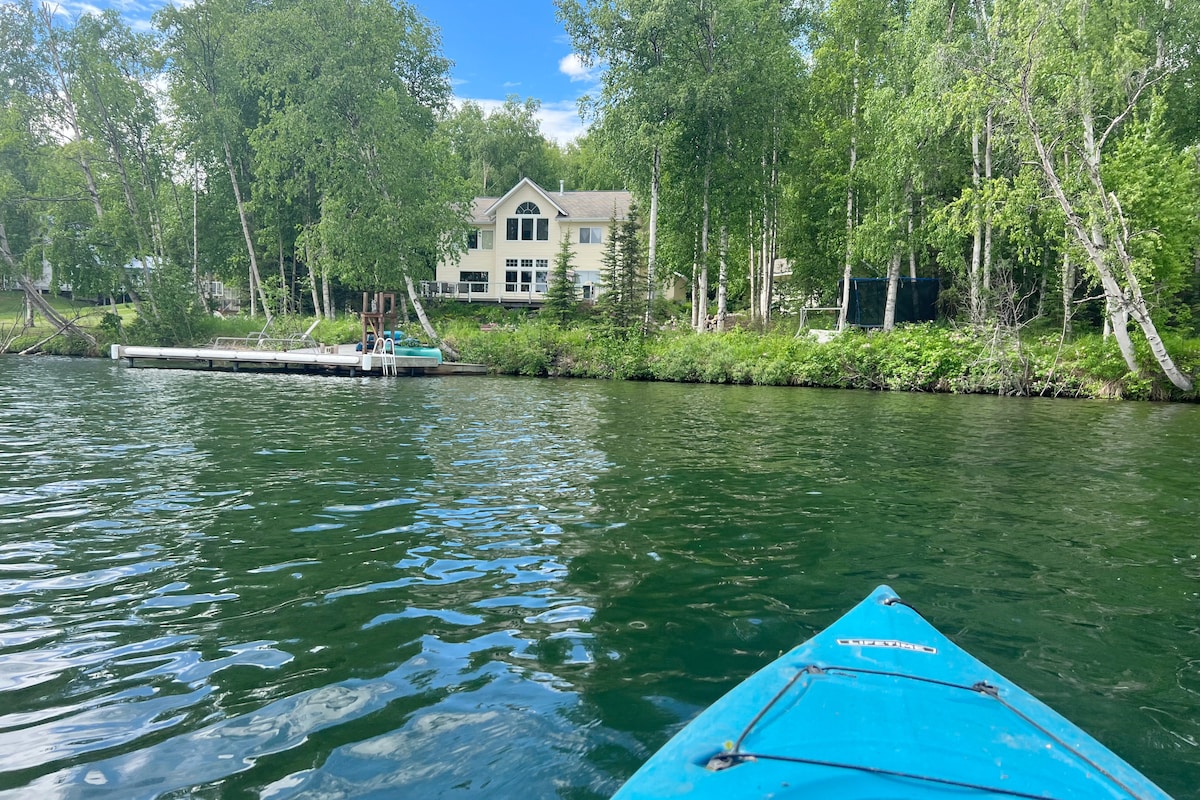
x=330, y=359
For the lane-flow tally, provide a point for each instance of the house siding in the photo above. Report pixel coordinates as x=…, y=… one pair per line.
x=565, y=212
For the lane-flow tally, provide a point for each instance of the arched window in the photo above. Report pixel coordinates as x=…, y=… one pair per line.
x=530, y=227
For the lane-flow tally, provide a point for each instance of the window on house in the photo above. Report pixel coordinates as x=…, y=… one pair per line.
x=526, y=275
x=472, y=281
x=526, y=284
x=473, y=239
x=528, y=225
x=591, y=235
x=486, y=239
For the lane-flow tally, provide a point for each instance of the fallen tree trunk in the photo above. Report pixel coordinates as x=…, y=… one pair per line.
x=30, y=350
x=49, y=313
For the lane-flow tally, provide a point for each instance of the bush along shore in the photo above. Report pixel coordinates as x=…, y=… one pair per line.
x=913, y=358
x=919, y=358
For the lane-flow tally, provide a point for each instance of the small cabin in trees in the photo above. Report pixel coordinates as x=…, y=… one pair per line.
x=515, y=238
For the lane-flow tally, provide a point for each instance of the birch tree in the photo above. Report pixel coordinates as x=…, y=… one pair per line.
x=1075, y=75
x=205, y=42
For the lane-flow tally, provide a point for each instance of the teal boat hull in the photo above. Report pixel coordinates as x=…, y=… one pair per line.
x=882, y=706
x=418, y=352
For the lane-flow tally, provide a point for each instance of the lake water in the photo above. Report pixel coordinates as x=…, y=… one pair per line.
x=284, y=586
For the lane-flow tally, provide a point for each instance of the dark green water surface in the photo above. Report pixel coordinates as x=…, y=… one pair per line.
x=236, y=585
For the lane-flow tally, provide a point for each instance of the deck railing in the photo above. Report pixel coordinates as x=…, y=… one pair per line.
x=476, y=292
x=469, y=291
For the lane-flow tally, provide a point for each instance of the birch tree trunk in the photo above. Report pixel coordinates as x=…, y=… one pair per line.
x=974, y=281
x=652, y=243
x=313, y=280
x=848, y=265
x=722, y=278
x=255, y=281
x=893, y=287
x=771, y=239
x=450, y=353
x=284, y=288
x=987, y=206
x=701, y=296
x=752, y=272
x=910, y=204
x=912, y=245
x=1068, y=292
x=196, y=230
x=326, y=292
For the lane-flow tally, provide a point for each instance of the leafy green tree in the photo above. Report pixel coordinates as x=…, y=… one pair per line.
x=354, y=92
x=693, y=101
x=1159, y=188
x=1077, y=84
x=208, y=45
x=21, y=86
x=496, y=150
x=588, y=165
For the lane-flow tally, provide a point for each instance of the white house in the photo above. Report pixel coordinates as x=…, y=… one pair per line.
x=515, y=238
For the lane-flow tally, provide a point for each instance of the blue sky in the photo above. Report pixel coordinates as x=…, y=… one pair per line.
x=498, y=49
x=516, y=47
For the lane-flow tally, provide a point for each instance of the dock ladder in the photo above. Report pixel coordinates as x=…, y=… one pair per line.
x=385, y=349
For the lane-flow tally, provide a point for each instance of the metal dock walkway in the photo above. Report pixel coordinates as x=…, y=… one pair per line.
x=340, y=359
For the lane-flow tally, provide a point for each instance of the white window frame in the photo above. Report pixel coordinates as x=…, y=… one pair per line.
x=591, y=235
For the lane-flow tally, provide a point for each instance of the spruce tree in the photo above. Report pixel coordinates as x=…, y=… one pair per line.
x=629, y=254
x=609, y=303
x=560, y=295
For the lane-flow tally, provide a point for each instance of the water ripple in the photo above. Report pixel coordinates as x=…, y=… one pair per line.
x=229, y=585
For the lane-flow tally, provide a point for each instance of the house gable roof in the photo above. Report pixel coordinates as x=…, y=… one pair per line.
x=491, y=210
x=597, y=206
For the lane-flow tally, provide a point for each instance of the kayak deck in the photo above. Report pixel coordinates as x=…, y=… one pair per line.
x=882, y=705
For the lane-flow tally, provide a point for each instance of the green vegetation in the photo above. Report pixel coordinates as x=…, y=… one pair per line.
x=1046, y=175
x=916, y=358
x=919, y=358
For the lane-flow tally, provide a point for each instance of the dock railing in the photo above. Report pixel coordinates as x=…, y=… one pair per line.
x=262, y=341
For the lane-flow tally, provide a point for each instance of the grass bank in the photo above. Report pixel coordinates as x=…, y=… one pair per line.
x=121, y=325
x=917, y=358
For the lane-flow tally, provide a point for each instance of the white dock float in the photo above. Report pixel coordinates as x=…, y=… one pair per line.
x=307, y=359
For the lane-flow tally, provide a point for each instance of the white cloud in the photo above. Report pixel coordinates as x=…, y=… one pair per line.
x=73, y=11
x=559, y=121
x=573, y=67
